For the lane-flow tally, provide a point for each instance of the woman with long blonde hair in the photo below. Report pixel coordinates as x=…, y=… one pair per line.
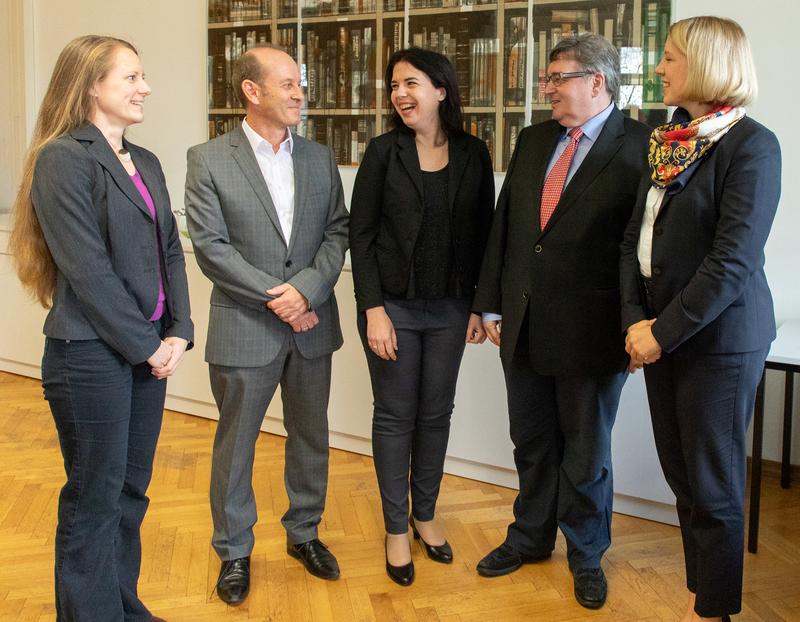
x=95, y=241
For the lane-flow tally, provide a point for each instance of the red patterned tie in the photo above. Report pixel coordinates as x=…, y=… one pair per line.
x=554, y=183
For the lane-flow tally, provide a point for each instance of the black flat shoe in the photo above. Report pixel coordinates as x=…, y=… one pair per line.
x=591, y=587
x=316, y=557
x=441, y=553
x=506, y=559
x=233, y=583
x=402, y=575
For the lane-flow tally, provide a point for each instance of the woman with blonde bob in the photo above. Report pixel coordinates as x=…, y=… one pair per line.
x=95, y=241
x=696, y=303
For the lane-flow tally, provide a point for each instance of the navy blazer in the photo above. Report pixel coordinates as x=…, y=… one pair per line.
x=100, y=234
x=386, y=214
x=709, y=287
x=564, y=279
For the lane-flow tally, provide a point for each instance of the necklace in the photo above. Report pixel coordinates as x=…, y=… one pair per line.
x=124, y=155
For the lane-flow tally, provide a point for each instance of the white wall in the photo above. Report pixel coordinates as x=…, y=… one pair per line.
x=171, y=37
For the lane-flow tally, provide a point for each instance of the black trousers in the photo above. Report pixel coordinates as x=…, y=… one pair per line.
x=701, y=405
x=413, y=400
x=561, y=430
x=108, y=415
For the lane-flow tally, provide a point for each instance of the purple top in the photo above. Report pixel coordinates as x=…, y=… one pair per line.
x=162, y=297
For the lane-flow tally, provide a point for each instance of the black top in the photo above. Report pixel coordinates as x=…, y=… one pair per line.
x=388, y=208
x=433, y=254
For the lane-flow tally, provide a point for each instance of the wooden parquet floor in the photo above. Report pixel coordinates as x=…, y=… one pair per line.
x=644, y=565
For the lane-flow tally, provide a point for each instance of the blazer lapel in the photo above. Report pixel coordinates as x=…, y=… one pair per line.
x=407, y=150
x=155, y=185
x=246, y=159
x=301, y=173
x=607, y=144
x=458, y=157
x=99, y=148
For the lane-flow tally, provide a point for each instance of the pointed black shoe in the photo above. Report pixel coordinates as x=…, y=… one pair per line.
x=441, y=553
x=233, y=583
x=402, y=575
x=505, y=559
x=591, y=587
x=316, y=557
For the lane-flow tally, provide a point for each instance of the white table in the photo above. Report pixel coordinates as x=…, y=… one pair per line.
x=784, y=355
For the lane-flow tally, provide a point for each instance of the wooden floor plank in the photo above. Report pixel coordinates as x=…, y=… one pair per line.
x=179, y=568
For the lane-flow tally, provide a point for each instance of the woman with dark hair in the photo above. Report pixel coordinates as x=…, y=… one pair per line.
x=94, y=239
x=420, y=215
x=695, y=299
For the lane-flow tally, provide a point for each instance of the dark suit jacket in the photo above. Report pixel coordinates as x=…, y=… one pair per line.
x=566, y=277
x=100, y=233
x=710, y=290
x=386, y=214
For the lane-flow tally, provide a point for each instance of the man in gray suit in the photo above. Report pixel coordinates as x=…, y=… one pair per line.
x=268, y=224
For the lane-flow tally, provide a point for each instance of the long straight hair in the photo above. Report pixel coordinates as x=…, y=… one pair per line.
x=66, y=105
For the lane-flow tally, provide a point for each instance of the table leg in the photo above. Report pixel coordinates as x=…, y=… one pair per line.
x=755, y=467
x=788, y=405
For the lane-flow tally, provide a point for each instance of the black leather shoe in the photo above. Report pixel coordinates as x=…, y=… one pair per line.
x=402, y=575
x=316, y=557
x=506, y=559
x=234, y=580
x=591, y=587
x=441, y=553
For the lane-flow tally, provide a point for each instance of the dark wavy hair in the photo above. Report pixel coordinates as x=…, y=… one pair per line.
x=441, y=74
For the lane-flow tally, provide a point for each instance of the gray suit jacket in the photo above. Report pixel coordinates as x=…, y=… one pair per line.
x=240, y=247
x=100, y=234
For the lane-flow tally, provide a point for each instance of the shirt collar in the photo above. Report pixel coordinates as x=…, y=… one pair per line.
x=594, y=126
x=256, y=140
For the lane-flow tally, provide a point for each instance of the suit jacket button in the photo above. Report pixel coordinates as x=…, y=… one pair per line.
x=656, y=271
x=537, y=248
x=289, y=264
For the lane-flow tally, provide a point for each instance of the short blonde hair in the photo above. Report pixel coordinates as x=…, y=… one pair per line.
x=721, y=68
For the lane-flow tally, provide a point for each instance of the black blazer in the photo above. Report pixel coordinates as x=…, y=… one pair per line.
x=710, y=290
x=100, y=234
x=567, y=276
x=386, y=214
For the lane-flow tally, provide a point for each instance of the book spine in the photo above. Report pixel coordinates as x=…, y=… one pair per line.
x=341, y=69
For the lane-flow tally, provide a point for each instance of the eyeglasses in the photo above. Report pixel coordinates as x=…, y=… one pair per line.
x=559, y=77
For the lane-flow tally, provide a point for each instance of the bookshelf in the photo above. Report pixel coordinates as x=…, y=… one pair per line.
x=498, y=48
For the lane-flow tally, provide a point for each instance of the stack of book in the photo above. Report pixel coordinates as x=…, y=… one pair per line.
x=338, y=69
x=481, y=126
x=313, y=8
x=238, y=10
x=224, y=50
x=346, y=136
x=483, y=72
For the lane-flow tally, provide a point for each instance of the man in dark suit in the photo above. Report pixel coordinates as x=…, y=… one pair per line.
x=269, y=228
x=550, y=278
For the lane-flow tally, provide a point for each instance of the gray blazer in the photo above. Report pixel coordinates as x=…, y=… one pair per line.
x=100, y=234
x=239, y=246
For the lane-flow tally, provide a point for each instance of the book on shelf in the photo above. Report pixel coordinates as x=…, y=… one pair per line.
x=342, y=72
x=594, y=20
x=517, y=49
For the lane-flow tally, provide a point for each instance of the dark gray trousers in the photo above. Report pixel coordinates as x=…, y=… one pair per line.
x=242, y=395
x=561, y=430
x=413, y=401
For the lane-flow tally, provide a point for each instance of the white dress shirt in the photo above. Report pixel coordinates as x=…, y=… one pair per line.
x=278, y=171
x=644, y=251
